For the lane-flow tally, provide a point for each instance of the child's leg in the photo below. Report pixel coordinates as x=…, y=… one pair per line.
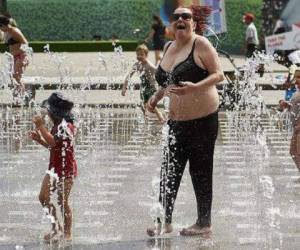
x=44, y=197
x=64, y=190
x=144, y=109
x=159, y=115
x=295, y=149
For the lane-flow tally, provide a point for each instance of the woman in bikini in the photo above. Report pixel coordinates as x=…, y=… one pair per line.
x=15, y=40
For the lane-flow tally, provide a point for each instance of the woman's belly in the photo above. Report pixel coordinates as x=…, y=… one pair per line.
x=16, y=49
x=193, y=106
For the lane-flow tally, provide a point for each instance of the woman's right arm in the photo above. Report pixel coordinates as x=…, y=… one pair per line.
x=158, y=95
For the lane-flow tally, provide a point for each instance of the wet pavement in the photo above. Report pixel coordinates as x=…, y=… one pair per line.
x=256, y=196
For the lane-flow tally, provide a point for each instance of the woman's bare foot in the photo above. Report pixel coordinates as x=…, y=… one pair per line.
x=196, y=230
x=156, y=230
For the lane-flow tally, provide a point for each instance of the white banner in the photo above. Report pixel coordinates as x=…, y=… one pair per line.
x=284, y=41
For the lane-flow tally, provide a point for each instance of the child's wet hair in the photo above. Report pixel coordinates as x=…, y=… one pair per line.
x=142, y=47
x=55, y=119
x=296, y=73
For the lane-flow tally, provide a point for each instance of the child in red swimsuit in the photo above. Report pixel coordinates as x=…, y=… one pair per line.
x=62, y=166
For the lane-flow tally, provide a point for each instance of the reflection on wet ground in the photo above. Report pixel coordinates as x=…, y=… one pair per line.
x=256, y=198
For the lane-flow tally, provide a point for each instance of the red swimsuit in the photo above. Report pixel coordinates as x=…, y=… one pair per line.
x=62, y=158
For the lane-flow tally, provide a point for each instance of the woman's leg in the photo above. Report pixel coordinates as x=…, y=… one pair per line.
x=201, y=155
x=20, y=64
x=174, y=161
x=48, y=187
x=63, y=190
x=295, y=149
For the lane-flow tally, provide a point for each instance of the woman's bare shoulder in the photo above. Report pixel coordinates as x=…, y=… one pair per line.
x=202, y=42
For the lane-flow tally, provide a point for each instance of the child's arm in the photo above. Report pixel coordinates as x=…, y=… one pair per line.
x=152, y=68
x=34, y=135
x=48, y=137
x=125, y=85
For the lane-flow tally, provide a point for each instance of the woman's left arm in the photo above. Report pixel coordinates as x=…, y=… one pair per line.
x=17, y=34
x=207, y=54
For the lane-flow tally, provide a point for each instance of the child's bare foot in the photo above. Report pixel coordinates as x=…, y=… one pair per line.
x=196, y=230
x=156, y=230
x=161, y=119
x=52, y=237
x=68, y=237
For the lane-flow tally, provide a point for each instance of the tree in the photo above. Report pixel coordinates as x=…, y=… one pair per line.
x=271, y=13
x=3, y=6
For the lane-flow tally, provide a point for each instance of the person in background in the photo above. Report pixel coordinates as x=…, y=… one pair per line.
x=146, y=70
x=289, y=86
x=157, y=34
x=251, y=38
x=15, y=40
x=294, y=109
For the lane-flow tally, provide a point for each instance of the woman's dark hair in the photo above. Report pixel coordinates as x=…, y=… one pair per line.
x=4, y=20
x=158, y=20
x=200, y=15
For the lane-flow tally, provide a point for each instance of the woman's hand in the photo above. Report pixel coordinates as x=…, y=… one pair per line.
x=34, y=135
x=151, y=104
x=182, y=88
x=38, y=121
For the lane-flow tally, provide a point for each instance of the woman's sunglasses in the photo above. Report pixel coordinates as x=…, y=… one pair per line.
x=184, y=16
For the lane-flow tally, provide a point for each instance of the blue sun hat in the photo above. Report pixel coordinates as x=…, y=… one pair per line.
x=59, y=105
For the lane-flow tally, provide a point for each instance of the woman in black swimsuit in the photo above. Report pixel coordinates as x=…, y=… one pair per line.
x=14, y=39
x=188, y=73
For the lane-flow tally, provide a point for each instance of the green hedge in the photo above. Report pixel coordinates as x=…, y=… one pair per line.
x=71, y=20
x=82, y=19
x=78, y=46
